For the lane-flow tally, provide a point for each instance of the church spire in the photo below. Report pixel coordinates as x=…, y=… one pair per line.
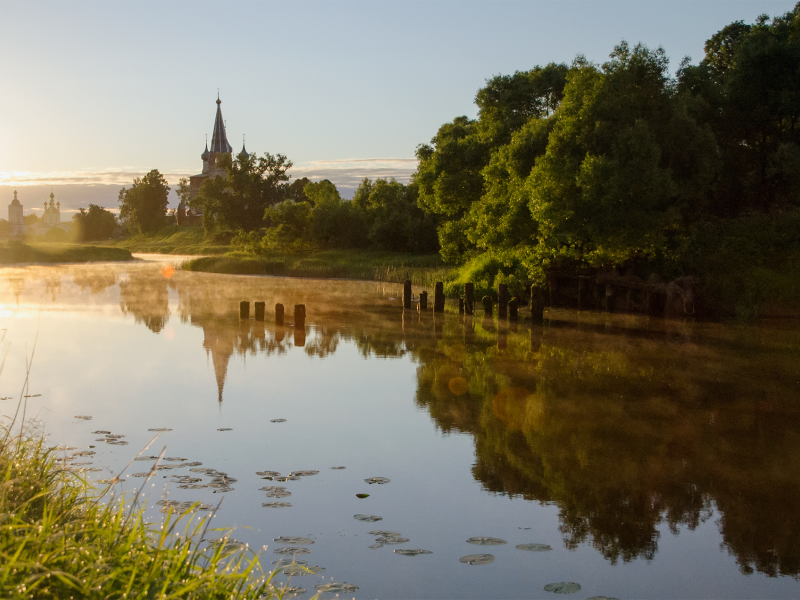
x=219, y=140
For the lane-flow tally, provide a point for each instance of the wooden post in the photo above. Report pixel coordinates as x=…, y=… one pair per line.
x=299, y=315
x=513, y=308
x=407, y=294
x=537, y=305
x=609, y=298
x=299, y=337
x=244, y=309
x=461, y=306
x=423, y=300
x=279, y=314
x=469, y=298
x=438, y=297
x=502, y=300
x=487, y=306
x=260, y=311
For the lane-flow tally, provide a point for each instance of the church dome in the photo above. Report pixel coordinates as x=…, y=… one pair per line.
x=205, y=154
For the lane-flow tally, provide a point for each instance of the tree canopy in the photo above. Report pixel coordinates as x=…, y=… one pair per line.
x=96, y=223
x=144, y=205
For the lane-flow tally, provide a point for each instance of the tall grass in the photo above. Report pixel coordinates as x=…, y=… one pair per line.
x=15, y=252
x=60, y=539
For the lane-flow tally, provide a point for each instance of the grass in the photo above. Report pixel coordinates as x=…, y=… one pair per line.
x=423, y=270
x=13, y=252
x=176, y=240
x=59, y=540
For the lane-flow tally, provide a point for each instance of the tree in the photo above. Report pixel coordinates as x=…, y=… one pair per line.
x=94, y=224
x=238, y=201
x=30, y=219
x=183, y=191
x=295, y=190
x=144, y=205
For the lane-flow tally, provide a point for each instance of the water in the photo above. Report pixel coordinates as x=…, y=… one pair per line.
x=657, y=459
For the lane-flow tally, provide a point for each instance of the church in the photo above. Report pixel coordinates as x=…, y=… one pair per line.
x=219, y=146
x=50, y=219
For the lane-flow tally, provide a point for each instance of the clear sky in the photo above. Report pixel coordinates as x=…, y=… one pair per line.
x=95, y=93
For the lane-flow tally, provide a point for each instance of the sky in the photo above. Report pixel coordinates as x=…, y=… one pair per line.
x=93, y=94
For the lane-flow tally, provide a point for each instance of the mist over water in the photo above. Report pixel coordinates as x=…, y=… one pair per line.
x=654, y=458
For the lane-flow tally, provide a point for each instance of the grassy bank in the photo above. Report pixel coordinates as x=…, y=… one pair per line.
x=18, y=252
x=58, y=540
x=423, y=270
x=176, y=240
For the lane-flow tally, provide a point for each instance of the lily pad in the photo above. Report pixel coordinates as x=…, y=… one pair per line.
x=336, y=587
x=337, y=468
x=84, y=453
x=362, y=496
x=140, y=474
x=384, y=533
x=300, y=570
x=378, y=480
x=289, y=550
x=285, y=562
x=160, y=429
x=303, y=473
x=185, y=479
x=146, y=458
x=115, y=436
x=277, y=492
x=100, y=432
x=83, y=417
x=268, y=473
x=277, y=504
x=564, y=587
x=225, y=429
x=286, y=478
x=195, y=463
x=477, y=559
x=411, y=551
x=368, y=518
x=392, y=540
x=294, y=540
x=486, y=541
x=288, y=591
x=192, y=486
x=601, y=598
x=116, y=442
x=277, y=421
x=175, y=459
x=534, y=547
x=109, y=481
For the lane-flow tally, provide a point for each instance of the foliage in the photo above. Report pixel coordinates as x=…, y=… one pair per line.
x=183, y=191
x=14, y=252
x=30, y=219
x=94, y=224
x=238, y=201
x=144, y=205
x=175, y=239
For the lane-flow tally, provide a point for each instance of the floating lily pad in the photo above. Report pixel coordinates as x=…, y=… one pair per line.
x=115, y=436
x=601, y=598
x=486, y=541
x=109, y=481
x=285, y=562
x=146, y=458
x=83, y=417
x=291, y=551
x=300, y=570
x=116, y=442
x=378, y=480
x=84, y=470
x=564, y=587
x=477, y=559
x=278, y=493
x=160, y=429
x=534, y=547
x=368, y=518
x=303, y=473
x=336, y=587
x=337, y=468
x=101, y=432
x=277, y=504
x=362, y=495
x=268, y=474
x=277, y=421
x=286, y=478
x=195, y=463
x=288, y=591
x=185, y=479
x=228, y=544
x=392, y=540
x=384, y=533
x=294, y=540
x=193, y=486
x=179, y=506
x=175, y=459
x=411, y=551
x=84, y=453
x=140, y=474
x=225, y=429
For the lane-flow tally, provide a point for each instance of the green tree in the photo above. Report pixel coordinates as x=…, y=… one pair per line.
x=30, y=219
x=183, y=191
x=295, y=190
x=144, y=205
x=238, y=201
x=94, y=224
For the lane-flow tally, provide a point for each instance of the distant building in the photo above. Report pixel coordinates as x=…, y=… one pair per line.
x=15, y=211
x=52, y=213
x=50, y=219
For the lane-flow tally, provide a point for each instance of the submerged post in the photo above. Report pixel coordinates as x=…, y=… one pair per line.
x=513, y=308
x=407, y=294
x=279, y=314
x=438, y=297
x=469, y=298
x=260, y=311
x=244, y=309
x=537, y=305
x=299, y=315
x=502, y=300
x=487, y=306
x=423, y=300
x=461, y=306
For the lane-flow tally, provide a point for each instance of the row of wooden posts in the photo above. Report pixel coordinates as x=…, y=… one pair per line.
x=299, y=312
x=506, y=307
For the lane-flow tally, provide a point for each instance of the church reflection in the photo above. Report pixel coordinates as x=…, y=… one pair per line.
x=631, y=429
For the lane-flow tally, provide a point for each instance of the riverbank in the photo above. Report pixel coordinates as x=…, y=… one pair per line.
x=12, y=253
x=59, y=539
x=176, y=240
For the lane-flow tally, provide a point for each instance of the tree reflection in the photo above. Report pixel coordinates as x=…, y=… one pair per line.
x=147, y=299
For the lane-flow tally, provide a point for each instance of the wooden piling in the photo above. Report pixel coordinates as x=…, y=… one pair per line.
x=487, y=306
x=502, y=300
x=513, y=309
x=407, y=294
x=260, y=311
x=279, y=314
x=244, y=309
x=461, y=306
x=469, y=298
x=299, y=315
x=537, y=305
x=438, y=297
x=423, y=300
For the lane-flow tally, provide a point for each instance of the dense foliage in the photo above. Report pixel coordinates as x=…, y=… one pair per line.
x=144, y=206
x=95, y=223
x=620, y=164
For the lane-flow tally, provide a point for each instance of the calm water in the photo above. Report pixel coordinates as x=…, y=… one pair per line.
x=657, y=459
